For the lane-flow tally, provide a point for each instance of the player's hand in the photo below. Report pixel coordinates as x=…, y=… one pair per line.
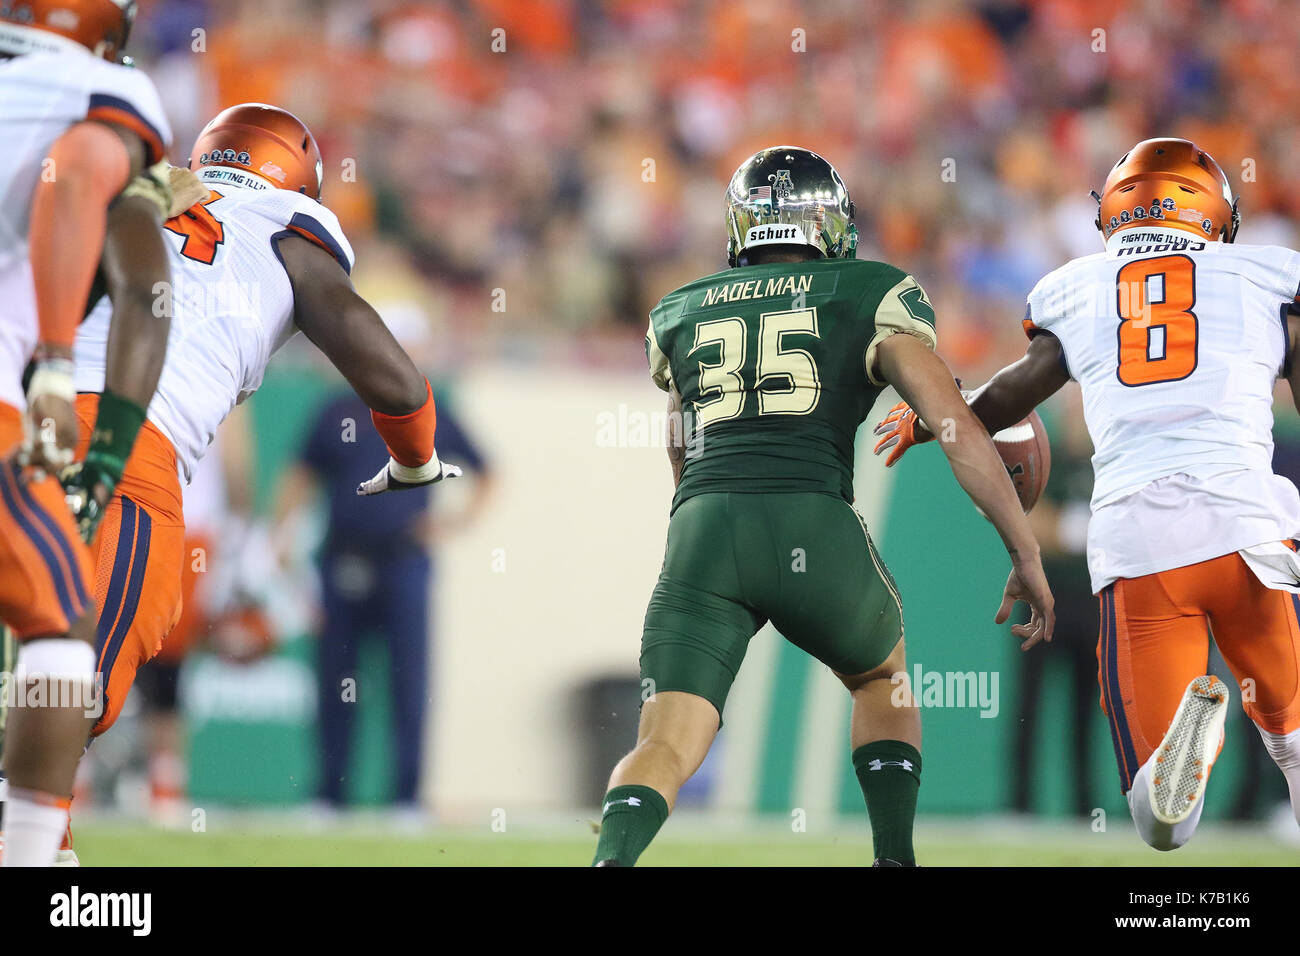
x=89, y=486
x=50, y=426
x=1028, y=583
x=49, y=436
x=397, y=477
x=901, y=429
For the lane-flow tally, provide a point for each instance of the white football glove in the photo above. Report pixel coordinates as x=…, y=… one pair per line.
x=395, y=476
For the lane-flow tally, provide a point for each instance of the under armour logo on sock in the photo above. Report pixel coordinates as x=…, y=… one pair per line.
x=630, y=801
x=882, y=764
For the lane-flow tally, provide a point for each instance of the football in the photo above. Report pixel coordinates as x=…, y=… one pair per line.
x=1027, y=458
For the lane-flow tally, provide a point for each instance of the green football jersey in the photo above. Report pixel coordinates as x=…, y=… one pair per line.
x=774, y=364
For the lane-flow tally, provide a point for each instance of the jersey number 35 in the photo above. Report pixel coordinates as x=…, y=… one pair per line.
x=791, y=370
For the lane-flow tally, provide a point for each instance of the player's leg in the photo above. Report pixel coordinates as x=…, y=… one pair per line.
x=834, y=598
x=404, y=589
x=1153, y=647
x=44, y=597
x=159, y=681
x=1079, y=651
x=885, y=737
x=1023, y=764
x=139, y=555
x=675, y=733
x=696, y=632
x=1258, y=632
x=345, y=600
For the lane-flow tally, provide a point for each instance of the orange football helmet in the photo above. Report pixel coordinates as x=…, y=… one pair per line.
x=265, y=140
x=1173, y=181
x=101, y=26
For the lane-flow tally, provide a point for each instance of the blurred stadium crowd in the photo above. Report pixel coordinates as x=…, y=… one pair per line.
x=581, y=169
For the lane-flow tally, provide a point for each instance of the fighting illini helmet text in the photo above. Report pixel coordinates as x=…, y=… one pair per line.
x=1175, y=183
x=101, y=26
x=264, y=140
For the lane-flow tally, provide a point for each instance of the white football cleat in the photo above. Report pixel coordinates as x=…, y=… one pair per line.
x=1185, y=755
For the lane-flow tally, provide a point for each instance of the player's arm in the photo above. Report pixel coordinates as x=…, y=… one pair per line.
x=676, y=438
x=86, y=168
x=354, y=338
x=1293, y=351
x=1003, y=401
x=136, y=274
x=927, y=385
x=137, y=279
x=1018, y=389
x=239, y=460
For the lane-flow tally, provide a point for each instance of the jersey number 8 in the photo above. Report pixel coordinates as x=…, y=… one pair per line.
x=1158, y=329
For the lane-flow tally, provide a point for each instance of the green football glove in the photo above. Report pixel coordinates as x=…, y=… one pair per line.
x=90, y=483
x=89, y=486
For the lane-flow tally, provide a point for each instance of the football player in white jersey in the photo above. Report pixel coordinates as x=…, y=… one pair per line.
x=1176, y=336
x=255, y=261
x=79, y=131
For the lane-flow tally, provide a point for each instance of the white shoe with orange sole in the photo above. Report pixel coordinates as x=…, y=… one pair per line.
x=1187, y=752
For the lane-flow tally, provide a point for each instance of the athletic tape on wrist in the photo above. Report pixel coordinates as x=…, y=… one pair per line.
x=52, y=377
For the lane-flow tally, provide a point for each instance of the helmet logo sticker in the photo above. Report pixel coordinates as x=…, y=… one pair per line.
x=226, y=156
x=782, y=185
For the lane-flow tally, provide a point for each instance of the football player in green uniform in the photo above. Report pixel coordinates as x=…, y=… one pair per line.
x=772, y=366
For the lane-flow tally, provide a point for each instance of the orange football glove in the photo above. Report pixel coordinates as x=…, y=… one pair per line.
x=899, y=431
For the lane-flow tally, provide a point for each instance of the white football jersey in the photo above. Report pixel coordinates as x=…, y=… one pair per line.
x=41, y=96
x=1176, y=343
x=232, y=304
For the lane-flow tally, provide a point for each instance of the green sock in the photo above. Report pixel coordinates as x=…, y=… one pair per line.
x=889, y=772
x=632, y=817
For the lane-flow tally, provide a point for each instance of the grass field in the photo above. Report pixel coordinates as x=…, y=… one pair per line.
x=239, y=841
